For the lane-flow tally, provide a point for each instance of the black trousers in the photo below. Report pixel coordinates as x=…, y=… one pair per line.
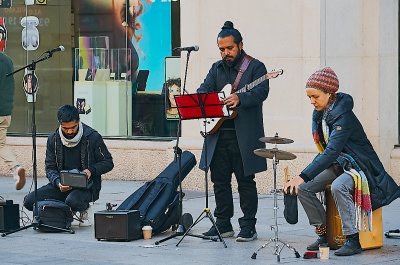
x=77, y=199
x=227, y=160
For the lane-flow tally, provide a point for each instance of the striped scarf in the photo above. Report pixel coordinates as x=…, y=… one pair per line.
x=362, y=199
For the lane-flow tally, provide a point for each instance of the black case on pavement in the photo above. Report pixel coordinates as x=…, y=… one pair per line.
x=53, y=213
x=158, y=200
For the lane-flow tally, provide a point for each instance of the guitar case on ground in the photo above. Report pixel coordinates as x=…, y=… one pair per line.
x=158, y=200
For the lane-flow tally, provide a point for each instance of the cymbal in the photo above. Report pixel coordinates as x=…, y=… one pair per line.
x=276, y=140
x=279, y=154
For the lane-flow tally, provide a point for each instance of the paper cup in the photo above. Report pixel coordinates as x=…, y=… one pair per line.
x=324, y=252
x=147, y=231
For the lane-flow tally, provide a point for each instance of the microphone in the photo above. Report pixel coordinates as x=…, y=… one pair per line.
x=58, y=49
x=189, y=49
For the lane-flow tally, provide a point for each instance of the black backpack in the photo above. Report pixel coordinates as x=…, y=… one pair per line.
x=53, y=213
x=157, y=200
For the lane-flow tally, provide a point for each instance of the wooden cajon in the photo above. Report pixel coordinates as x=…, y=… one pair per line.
x=368, y=239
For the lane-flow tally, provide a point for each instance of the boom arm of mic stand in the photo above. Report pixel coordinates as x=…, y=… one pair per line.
x=31, y=66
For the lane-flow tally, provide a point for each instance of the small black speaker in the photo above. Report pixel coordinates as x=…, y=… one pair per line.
x=117, y=225
x=9, y=216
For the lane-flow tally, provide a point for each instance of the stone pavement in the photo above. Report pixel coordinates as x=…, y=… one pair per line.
x=34, y=247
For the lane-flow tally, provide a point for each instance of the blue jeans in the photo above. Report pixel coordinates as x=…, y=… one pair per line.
x=342, y=191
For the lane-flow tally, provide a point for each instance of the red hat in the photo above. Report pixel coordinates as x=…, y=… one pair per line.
x=325, y=80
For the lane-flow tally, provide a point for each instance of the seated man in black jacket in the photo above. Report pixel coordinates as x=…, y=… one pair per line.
x=73, y=145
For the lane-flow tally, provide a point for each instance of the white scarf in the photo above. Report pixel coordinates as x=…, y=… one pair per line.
x=74, y=141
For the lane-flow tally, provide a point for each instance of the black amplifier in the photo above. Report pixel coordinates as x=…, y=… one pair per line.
x=9, y=216
x=117, y=225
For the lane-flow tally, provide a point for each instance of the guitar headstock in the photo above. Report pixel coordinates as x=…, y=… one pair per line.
x=274, y=73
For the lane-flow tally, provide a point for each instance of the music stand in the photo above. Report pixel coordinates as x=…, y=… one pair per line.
x=202, y=106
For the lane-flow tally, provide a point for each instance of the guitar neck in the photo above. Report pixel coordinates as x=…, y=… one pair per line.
x=250, y=86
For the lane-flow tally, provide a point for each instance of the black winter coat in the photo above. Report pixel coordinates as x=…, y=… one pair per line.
x=94, y=156
x=249, y=121
x=347, y=135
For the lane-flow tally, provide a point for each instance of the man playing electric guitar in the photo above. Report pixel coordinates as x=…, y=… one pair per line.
x=230, y=148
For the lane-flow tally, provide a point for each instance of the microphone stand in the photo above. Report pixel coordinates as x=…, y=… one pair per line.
x=206, y=211
x=36, y=223
x=185, y=220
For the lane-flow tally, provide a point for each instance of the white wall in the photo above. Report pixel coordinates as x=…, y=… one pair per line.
x=357, y=38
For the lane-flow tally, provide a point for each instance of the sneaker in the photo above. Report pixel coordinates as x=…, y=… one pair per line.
x=75, y=221
x=85, y=218
x=246, y=234
x=19, y=176
x=225, y=231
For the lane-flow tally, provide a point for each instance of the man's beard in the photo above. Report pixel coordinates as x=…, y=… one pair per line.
x=229, y=63
x=233, y=61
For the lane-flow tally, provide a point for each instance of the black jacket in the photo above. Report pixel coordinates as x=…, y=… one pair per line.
x=249, y=121
x=347, y=135
x=6, y=85
x=94, y=156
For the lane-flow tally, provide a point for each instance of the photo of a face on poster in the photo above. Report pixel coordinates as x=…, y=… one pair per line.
x=172, y=86
x=172, y=89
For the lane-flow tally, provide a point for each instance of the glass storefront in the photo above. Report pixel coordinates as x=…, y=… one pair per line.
x=115, y=66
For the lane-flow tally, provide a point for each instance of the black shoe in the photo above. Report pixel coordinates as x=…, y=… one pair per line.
x=321, y=241
x=247, y=233
x=224, y=230
x=350, y=247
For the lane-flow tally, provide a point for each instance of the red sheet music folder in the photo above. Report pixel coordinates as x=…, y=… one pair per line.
x=202, y=105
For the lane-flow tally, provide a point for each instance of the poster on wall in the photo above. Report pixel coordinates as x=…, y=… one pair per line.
x=138, y=32
x=30, y=33
x=153, y=39
x=172, y=86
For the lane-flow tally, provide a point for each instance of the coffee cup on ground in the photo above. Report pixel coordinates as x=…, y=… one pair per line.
x=147, y=231
x=324, y=252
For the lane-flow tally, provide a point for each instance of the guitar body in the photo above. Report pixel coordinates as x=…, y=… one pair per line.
x=211, y=125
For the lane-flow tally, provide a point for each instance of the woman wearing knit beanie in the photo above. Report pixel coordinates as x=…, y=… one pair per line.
x=346, y=160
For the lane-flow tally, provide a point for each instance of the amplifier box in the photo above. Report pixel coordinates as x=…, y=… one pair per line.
x=9, y=216
x=117, y=225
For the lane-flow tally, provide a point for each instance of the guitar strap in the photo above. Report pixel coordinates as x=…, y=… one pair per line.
x=243, y=67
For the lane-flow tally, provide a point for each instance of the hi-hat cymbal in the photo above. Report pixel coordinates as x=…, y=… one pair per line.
x=276, y=140
x=279, y=154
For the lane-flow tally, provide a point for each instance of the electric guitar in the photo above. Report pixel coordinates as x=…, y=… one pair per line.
x=211, y=125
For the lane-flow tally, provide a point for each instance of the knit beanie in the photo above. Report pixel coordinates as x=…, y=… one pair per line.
x=325, y=80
